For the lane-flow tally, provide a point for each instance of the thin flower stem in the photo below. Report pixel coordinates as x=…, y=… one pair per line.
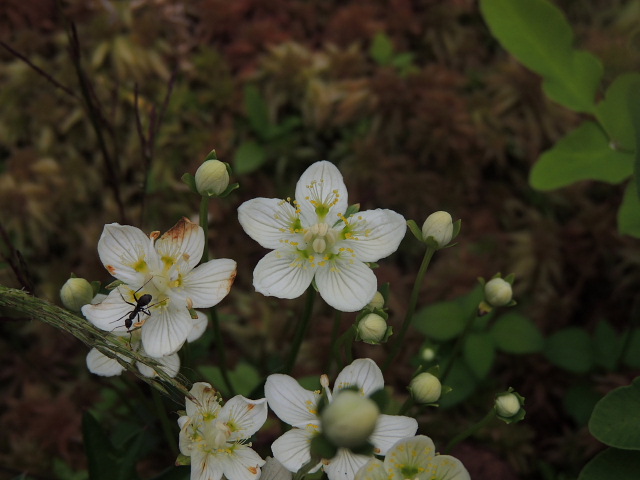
x=415, y=293
x=337, y=320
x=346, y=342
x=161, y=413
x=470, y=431
x=456, y=348
x=407, y=405
x=302, y=329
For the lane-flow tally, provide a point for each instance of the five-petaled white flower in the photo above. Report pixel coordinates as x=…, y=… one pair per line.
x=298, y=407
x=311, y=237
x=415, y=459
x=214, y=436
x=164, y=268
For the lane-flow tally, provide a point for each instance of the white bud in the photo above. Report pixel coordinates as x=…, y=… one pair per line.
x=75, y=293
x=377, y=301
x=212, y=178
x=425, y=388
x=350, y=419
x=427, y=354
x=438, y=225
x=372, y=328
x=498, y=292
x=507, y=405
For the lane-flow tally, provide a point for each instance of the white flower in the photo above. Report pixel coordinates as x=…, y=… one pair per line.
x=310, y=237
x=298, y=407
x=214, y=436
x=166, y=271
x=414, y=458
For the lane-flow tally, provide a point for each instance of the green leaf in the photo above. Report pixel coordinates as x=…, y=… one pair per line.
x=249, y=157
x=578, y=402
x=441, y=321
x=615, y=112
x=629, y=212
x=244, y=379
x=514, y=333
x=462, y=383
x=570, y=349
x=632, y=352
x=606, y=345
x=612, y=464
x=257, y=111
x=381, y=49
x=584, y=154
x=538, y=35
x=616, y=418
x=479, y=353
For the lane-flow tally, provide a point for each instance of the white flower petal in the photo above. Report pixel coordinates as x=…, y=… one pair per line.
x=293, y=449
x=110, y=314
x=345, y=465
x=100, y=364
x=373, y=470
x=183, y=243
x=322, y=182
x=198, y=326
x=246, y=415
x=208, y=284
x=411, y=451
x=290, y=402
x=267, y=220
x=126, y=252
x=446, y=466
x=362, y=373
x=165, y=331
x=208, y=403
x=170, y=365
x=274, y=470
x=186, y=443
x=205, y=466
x=242, y=464
x=279, y=274
x=376, y=234
x=345, y=286
x=390, y=429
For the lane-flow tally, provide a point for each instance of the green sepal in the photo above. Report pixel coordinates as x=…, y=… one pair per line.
x=417, y=231
x=372, y=265
x=321, y=447
x=193, y=313
x=365, y=449
x=351, y=209
x=114, y=284
x=190, y=180
x=229, y=189
x=518, y=416
x=212, y=156
x=457, y=225
x=510, y=278
x=183, y=460
x=431, y=243
x=95, y=286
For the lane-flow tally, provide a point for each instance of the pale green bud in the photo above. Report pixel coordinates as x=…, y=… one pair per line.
x=427, y=354
x=507, y=405
x=349, y=420
x=438, y=225
x=377, y=301
x=212, y=178
x=425, y=388
x=498, y=292
x=372, y=328
x=75, y=293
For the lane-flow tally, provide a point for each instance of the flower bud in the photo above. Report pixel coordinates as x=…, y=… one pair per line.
x=349, y=419
x=425, y=388
x=438, y=225
x=498, y=292
x=372, y=328
x=507, y=405
x=427, y=354
x=212, y=178
x=377, y=301
x=75, y=293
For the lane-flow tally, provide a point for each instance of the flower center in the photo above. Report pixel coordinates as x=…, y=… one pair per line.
x=216, y=434
x=320, y=238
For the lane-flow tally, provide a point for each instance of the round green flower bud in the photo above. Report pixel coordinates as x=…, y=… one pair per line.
x=427, y=354
x=372, y=328
x=498, y=292
x=377, y=301
x=438, y=225
x=349, y=420
x=507, y=405
x=75, y=293
x=425, y=388
x=212, y=178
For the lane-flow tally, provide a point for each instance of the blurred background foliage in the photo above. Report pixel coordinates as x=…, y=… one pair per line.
x=412, y=99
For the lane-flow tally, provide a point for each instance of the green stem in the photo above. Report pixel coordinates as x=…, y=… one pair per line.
x=457, y=347
x=415, y=293
x=302, y=329
x=204, y=223
x=222, y=361
x=406, y=406
x=161, y=413
x=337, y=320
x=470, y=431
x=346, y=342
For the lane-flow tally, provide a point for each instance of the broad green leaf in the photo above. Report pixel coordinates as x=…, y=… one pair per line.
x=606, y=345
x=579, y=401
x=629, y=212
x=514, y=333
x=633, y=106
x=614, y=111
x=538, y=35
x=441, y=321
x=463, y=383
x=257, y=111
x=381, y=49
x=584, y=154
x=616, y=418
x=632, y=352
x=612, y=464
x=479, y=353
x=249, y=157
x=570, y=349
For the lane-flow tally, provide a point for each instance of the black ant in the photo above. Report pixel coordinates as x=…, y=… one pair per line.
x=141, y=306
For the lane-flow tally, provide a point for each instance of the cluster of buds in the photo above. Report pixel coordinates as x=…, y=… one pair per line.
x=371, y=322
